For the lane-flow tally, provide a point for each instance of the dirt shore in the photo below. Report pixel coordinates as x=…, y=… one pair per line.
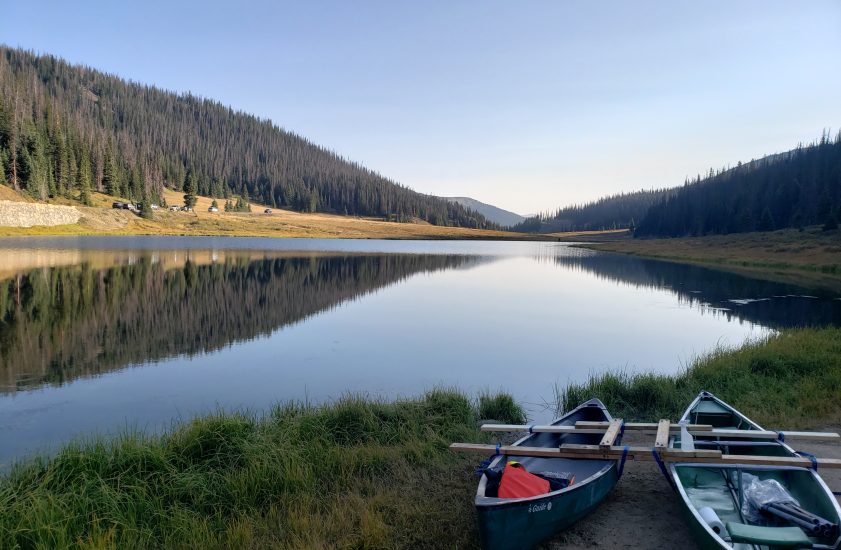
x=643, y=511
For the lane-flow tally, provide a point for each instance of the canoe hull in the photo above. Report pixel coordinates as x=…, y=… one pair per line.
x=524, y=524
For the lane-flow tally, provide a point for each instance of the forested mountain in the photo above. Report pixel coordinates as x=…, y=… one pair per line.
x=793, y=189
x=66, y=129
x=620, y=211
x=491, y=213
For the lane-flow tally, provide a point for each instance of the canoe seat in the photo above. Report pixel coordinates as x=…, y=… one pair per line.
x=787, y=537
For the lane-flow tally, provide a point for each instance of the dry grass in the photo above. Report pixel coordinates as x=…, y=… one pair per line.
x=102, y=219
x=787, y=254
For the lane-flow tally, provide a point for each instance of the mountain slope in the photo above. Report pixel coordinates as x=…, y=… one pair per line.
x=793, y=189
x=65, y=129
x=491, y=213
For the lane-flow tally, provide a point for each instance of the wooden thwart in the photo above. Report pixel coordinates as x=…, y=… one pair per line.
x=548, y=429
x=703, y=429
x=595, y=452
x=698, y=430
x=646, y=426
x=611, y=433
x=662, y=440
x=767, y=434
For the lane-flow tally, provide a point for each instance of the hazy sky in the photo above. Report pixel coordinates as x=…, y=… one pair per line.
x=527, y=105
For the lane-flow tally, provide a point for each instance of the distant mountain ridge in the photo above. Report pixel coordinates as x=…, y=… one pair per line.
x=491, y=213
x=620, y=211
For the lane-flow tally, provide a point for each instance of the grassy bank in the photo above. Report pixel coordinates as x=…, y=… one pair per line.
x=354, y=474
x=789, y=380
x=788, y=255
x=359, y=473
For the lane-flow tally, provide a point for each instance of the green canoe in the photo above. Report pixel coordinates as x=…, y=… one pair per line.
x=525, y=522
x=722, y=488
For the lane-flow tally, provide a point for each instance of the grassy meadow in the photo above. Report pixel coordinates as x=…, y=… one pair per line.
x=101, y=219
x=789, y=255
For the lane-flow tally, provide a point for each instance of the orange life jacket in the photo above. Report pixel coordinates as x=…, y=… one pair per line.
x=517, y=482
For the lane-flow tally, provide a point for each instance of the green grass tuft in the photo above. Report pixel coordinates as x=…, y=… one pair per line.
x=500, y=407
x=791, y=379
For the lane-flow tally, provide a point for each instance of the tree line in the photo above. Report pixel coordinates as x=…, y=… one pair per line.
x=793, y=189
x=796, y=188
x=67, y=129
x=620, y=211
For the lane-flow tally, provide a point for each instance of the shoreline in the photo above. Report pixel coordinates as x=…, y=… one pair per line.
x=805, y=258
x=371, y=473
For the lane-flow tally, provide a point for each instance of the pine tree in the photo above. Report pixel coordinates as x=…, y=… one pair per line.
x=190, y=187
x=146, y=205
x=110, y=174
x=85, y=180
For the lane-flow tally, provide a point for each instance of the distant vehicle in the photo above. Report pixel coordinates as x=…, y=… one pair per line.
x=213, y=209
x=175, y=208
x=118, y=205
x=185, y=209
x=154, y=206
x=267, y=211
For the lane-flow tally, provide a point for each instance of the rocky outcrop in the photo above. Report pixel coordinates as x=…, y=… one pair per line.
x=27, y=214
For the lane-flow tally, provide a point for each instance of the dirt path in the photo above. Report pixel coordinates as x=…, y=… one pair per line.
x=643, y=512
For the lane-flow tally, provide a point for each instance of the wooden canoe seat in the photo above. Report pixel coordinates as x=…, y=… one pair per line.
x=786, y=537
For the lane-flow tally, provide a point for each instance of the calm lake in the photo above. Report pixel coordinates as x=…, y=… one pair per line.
x=102, y=334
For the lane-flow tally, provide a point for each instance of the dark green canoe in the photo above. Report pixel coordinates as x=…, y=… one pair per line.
x=525, y=522
x=719, y=487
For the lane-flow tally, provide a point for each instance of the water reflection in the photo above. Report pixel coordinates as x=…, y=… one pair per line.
x=61, y=323
x=734, y=296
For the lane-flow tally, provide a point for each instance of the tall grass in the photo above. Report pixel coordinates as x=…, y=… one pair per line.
x=791, y=379
x=352, y=474
x=500, y=406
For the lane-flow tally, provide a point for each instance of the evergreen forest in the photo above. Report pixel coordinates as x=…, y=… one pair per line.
x=67, y=129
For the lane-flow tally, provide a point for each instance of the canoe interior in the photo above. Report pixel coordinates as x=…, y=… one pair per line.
x=719, y=487
x=582, y=469
x=709, y=410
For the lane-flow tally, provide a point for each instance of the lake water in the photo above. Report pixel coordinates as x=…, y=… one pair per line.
x=101, y=334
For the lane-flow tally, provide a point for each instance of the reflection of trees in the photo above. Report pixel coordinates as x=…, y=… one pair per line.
x=63, y=323
x=779, y=305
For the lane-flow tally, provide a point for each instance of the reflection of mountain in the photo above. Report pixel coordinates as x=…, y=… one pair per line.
x=736, y=296
x=63, y=323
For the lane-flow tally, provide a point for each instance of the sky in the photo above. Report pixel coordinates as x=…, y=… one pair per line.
x=526, y=105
